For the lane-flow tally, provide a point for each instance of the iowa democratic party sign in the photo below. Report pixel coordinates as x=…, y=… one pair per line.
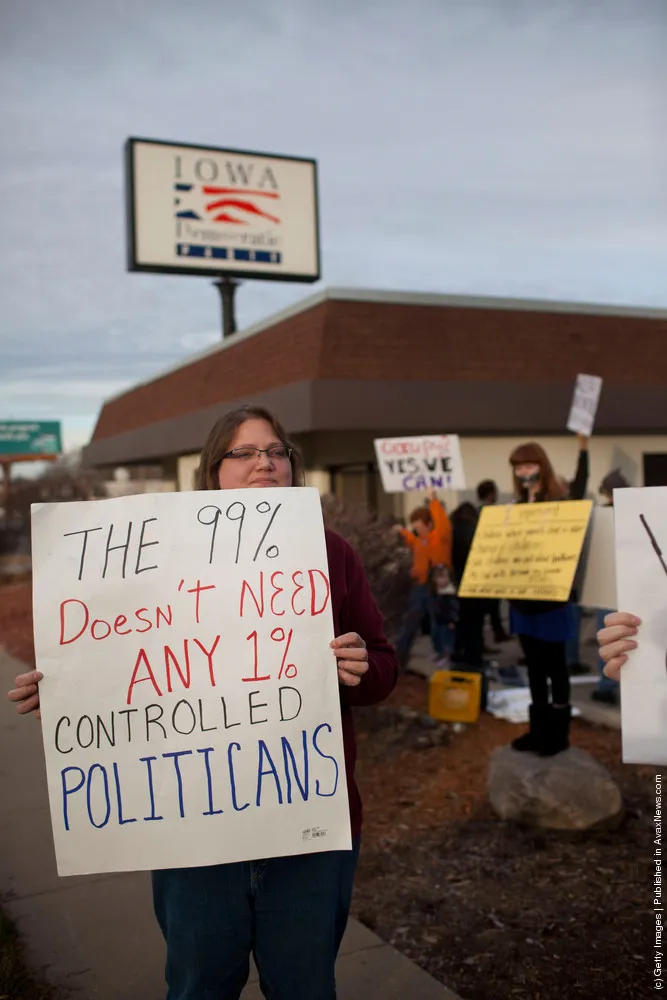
x=420, y=463
x=201, y=210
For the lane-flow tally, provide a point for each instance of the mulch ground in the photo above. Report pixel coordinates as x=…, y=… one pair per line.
x=492, y=910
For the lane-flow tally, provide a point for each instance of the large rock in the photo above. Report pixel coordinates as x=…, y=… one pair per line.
x=570, y=791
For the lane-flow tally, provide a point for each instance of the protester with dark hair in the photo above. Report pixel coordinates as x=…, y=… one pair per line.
x=487, y=493
x=543, y=627
x=487, y=496
x=289, y=912
x=430, y=541
x=469, y=648
x=607, y=689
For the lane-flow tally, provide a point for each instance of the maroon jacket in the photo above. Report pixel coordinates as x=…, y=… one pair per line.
x=355, y=610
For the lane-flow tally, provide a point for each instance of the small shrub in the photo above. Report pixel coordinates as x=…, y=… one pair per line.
x=386, y=559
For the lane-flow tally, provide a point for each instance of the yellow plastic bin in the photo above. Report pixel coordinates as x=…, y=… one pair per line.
x=455, y=696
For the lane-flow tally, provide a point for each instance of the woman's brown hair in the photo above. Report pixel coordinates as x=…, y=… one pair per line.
x=534, y=454
x=220, y=438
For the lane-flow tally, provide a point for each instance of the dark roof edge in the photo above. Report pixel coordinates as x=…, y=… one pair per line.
x=396, y=408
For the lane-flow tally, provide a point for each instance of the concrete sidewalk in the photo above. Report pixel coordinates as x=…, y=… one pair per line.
x=96, y=935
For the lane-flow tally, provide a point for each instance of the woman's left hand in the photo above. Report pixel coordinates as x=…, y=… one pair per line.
x=352, y=655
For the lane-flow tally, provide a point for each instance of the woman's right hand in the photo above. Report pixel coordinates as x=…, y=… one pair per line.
x=616, y=640
x=26, y=693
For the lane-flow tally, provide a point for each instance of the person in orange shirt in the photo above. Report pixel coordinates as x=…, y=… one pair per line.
x=430, y=540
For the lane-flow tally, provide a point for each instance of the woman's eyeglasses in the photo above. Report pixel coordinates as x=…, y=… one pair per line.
x=277, y=453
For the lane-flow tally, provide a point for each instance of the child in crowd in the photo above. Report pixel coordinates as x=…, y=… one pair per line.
x=443, y=594
x=430, y=541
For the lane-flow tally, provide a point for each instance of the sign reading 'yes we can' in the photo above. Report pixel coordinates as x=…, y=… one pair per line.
x=420, y=463
x=190, y=703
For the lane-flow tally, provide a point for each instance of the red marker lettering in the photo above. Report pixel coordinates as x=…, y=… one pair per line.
x=142, y=658
x=276, y=591
x=72, y=600
x=311, y=574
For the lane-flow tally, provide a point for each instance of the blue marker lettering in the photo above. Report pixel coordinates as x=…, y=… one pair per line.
x=288, y=755
x=232, y=779
x=148, y=761
x=264, y=752
x=325, y=725
x=70, y=791
x=116, y=778
x=210, y=811
x=106, y=796
x=177, y=767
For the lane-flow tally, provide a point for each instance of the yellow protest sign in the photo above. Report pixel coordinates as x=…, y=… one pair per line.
x=526, y=551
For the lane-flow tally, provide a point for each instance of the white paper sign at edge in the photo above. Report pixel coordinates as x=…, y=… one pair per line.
x=90, y=677
x=642, y=591
x=584, y=404
x=599, y=587
x=420, y=463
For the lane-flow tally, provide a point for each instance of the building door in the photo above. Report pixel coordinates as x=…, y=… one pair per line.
x=655, y=469
x=360, y=484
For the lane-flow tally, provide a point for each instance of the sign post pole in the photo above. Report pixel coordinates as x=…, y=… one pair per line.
x=227, y=288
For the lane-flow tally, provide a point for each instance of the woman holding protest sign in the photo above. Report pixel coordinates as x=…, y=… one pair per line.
x=543, y=627
x=289, y=912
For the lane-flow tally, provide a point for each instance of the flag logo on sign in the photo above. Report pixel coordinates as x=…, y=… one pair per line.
x=224, y=204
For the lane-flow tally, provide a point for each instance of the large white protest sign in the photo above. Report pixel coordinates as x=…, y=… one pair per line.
x=584, y=404
x=641, y=566
x=190, y=701
x=599, y=571
x=420, y=463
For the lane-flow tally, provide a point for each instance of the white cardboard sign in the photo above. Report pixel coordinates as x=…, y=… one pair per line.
x=584, y=404
x=190, y=702
x=641, y=544
x=599, y=587
x=420, y=463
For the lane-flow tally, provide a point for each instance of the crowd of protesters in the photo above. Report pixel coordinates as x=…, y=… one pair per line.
x=549, y=632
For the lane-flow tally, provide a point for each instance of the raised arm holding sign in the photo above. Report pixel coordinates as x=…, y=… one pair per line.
x=193, y=713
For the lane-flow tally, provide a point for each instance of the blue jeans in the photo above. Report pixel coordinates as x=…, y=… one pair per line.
x=421, y=603
x=605, y=683
x=290, y=913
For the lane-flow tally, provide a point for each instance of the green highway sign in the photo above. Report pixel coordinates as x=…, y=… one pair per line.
x=21, y=440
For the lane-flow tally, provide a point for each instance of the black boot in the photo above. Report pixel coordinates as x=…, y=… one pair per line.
x=534, y=739
x=558, y=730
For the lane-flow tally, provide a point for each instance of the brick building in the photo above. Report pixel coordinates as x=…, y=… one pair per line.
x=345, y=366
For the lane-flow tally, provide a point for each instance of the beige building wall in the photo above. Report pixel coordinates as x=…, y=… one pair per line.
x=186, y=467
x=483, y=458
x=318, y=478
x=132, y=487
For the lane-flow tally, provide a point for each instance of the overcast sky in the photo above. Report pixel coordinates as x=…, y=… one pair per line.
x=501, y=147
